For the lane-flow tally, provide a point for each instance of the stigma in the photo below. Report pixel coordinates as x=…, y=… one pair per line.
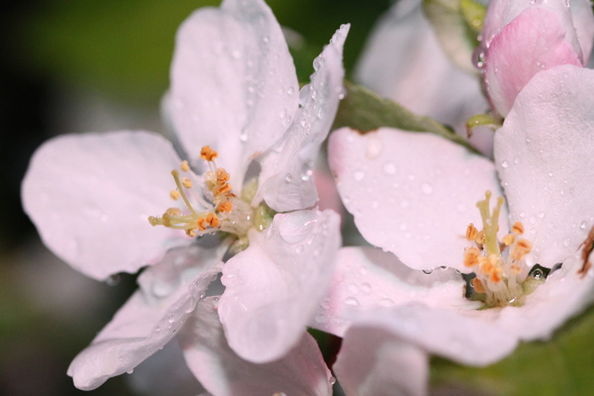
x=208, y=204
x=501, y=275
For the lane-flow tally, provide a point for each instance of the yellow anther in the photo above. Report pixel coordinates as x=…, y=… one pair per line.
x=495, y=275
x=201, y=223
x=208, y=154
x=212, y=220
x=174, y=194
x=222, y=175
x=508, y=239
x=520, y=249
x=471, y=256
x=471, y=232
x=518, y=228
x=184, y=166
x=223, y=189
x=224, y=207
x=478, y=285
x=186, y=182
x=191, y=232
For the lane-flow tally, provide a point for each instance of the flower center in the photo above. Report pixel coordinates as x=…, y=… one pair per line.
x=501, y=276
x=212, y=208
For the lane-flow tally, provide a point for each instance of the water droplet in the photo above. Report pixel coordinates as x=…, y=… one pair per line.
x=288, y=178
x=320, y=318
x=389, y=168
x=352, y=301
x=290, y=91
x=426, y=188
x=265, y=39
x=375, y=204
x=404, y=204
x=386, y=302
x=243, y=136
x=583, y=225
x=541, y=215
x=374, y=147
x=366, y=288
x=359, y=175
x=113, y=280
x=504, y=164
x=236, y=54
x=130, y=371
x=411, y=177
x=332, y=380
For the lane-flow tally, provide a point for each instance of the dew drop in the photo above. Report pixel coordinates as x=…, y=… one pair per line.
x=332, y=380
x=386, y=302
x=374, y=148
x=359, y=175
x=352, y=301
x=243, y=136
x=583, y=225
x=426, y=188
x=504, y=164
x=389, y=168
x=290, y=91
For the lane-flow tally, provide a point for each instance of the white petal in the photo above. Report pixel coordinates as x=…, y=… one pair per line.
x=285, y=177
x=466, y=337
x=231, y=78
x=301, y=372
x=373, y=361
x=404, y=61
x=412, y=194
x=275, y=285
x=90, y=197
x=583, y=21
x=564, y=294
x=143, y=325
x=544, y=158
x=366, y=279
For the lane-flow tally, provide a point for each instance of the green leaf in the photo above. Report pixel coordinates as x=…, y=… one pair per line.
x=363, y=110
x=561, y=366
x=455, y=35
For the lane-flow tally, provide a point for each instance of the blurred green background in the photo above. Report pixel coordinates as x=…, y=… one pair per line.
x=104, y=64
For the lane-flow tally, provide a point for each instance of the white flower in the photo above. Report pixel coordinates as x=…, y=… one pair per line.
x=414, y=196
x=234, y=93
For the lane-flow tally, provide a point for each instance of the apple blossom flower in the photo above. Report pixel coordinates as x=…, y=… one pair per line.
x=523, y=37
x=107, y=203
x=487, y=287
x=405, y=62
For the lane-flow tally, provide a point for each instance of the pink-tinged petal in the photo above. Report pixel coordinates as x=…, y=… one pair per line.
x=404, y=61
x=165, y=374
x=274, y=286
x=564, y=294
x=90, y=197
x=534, y=41
x=373, y=361
x=143, y=325
x=503, y=12
x=231, y=79
x=544, y=158
x=366, y=279
x=329, y=198
x=412, y=194
x=301, y=371
x=465, y=337
x=286, y=170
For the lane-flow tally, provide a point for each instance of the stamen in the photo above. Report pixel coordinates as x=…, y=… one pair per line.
x=174, y=194
x=208, y=154
x=497, y=264
x=187, y=182
x=224, y=207
x=185, y=166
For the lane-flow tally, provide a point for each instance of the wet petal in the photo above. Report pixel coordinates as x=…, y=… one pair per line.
x=465, y=337
x=544, y=158
x=274, y=286
x=373, y=361
x=231, y=79
x=366, y=279
x=286, y=173
x=145, y=323
x=412, y=194
x=532, y=42
x=301, y=371
x=564, y=295
x=90, y=197
x=404, y=61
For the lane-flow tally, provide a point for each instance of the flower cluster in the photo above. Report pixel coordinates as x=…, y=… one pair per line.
x=466, y=253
